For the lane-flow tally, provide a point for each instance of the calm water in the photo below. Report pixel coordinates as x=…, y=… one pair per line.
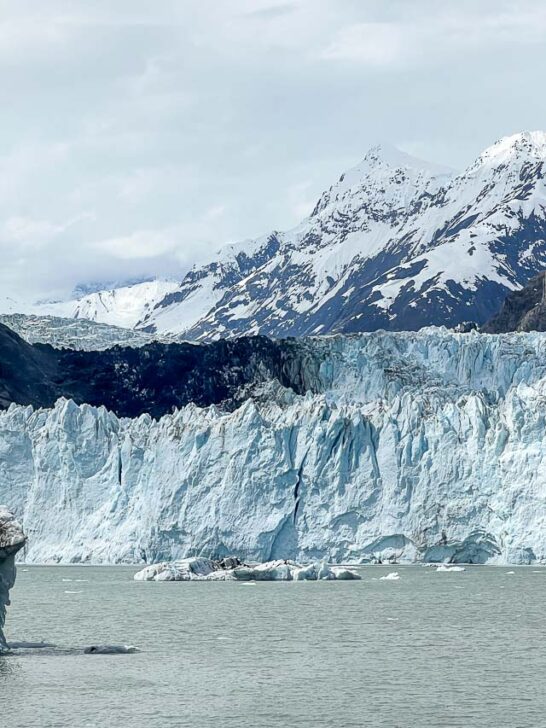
x=433, y=649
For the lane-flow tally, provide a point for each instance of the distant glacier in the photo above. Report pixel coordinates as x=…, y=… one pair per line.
x=426, y=446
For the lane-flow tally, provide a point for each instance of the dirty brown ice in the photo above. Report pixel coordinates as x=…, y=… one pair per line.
x=12, y=540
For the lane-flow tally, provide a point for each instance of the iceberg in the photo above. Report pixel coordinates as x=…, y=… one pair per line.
x=443, y=567
x=199, y=569
x=391, y=576
x=110, y=650
x=12, y=540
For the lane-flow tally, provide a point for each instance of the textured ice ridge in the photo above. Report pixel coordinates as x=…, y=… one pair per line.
x=425, y=446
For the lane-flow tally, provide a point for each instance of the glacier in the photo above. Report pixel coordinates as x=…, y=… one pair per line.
x=405, y=447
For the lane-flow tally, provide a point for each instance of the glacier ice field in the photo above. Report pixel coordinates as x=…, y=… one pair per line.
x=425, y=446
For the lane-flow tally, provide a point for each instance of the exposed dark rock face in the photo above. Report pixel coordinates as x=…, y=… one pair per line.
x=27, y=372
x=523, y=310
x=155, y=378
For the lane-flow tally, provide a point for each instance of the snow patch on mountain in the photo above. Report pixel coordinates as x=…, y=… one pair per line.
x=123, y=307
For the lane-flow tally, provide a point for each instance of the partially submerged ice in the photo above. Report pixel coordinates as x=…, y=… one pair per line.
x=200, y=569
x=12, y=540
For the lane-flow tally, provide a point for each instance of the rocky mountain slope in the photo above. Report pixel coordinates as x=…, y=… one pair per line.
x=391, y=446
x=523, y=310
x=395, y=244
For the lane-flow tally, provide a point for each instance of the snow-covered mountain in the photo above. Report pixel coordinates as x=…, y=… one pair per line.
x=124, y=306
x=396, y=243
x=426, y=446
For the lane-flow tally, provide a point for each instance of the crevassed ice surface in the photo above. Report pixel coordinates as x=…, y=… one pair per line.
x=425, y=446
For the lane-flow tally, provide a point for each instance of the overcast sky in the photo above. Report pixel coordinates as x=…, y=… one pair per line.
x=137, y=136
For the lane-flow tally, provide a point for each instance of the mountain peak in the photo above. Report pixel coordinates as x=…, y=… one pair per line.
x=384, y=153
x=523, y=145
x=382, y=164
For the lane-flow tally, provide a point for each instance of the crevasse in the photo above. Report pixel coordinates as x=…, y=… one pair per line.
x=406, y=447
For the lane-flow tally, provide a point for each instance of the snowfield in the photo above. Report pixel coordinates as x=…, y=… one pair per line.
x=406, y=447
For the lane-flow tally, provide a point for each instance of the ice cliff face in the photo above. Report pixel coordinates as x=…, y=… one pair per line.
x=426, y=446
x=12, y=540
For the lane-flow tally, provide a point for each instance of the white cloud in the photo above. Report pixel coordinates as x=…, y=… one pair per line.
x=140, y=136
x=376, y=44
x=138, y=245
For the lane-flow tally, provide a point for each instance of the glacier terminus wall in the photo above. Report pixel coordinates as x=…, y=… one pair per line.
x=425, y=446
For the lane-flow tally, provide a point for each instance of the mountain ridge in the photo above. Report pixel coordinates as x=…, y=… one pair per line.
x=394, y=244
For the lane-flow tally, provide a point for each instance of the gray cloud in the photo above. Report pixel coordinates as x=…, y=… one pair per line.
x=137, y=137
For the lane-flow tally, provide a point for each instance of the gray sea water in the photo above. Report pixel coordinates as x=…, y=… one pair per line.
x=432, y=649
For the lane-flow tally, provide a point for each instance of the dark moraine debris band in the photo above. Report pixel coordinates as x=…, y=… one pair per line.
x=12, y=540
x=155, y=378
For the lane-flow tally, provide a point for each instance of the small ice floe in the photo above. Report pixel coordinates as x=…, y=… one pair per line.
x=443, y=567
x=391, y=576
x=110, y=650
x=229, y=569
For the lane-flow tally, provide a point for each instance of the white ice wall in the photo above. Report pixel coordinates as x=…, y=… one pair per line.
x=415, y=446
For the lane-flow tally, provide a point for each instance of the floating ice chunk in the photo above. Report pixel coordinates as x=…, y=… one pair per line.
x=391, y=576
x=192, y=569
x=343, y=574
x=198, y=569
x=110, y=650
x=443, y=567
